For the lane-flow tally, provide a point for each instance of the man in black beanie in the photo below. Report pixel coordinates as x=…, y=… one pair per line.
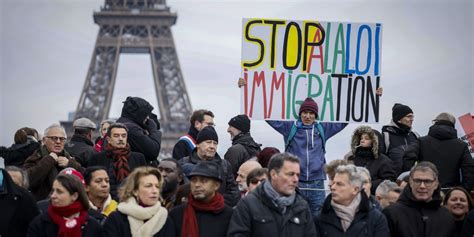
x=243, y=146
x=206, y=150
x=398, y=136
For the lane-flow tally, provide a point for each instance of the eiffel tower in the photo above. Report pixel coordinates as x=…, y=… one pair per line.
x=140, y=27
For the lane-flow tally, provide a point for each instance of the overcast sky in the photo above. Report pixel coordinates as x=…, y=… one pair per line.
x=46, y=47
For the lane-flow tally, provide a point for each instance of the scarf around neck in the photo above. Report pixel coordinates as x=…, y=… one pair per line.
x=190, y=225
x=70, y=227
x=280, y=201
x=120, y=157
x=144, y=221
x=347, y=213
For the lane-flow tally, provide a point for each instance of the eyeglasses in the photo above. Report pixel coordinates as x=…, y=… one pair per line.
x=54, y=138
x=256, y=181
x=428, y=182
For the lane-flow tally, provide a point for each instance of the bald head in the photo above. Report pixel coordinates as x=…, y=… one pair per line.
x=244, y=170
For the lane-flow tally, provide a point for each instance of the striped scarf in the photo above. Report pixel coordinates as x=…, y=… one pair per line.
x=120, y=157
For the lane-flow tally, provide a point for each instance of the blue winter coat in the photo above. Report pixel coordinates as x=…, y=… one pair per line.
x=307, y=145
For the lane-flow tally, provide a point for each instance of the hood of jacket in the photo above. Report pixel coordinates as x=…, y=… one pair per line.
x=443, y=132
x=408, y=199
x=136, y=109
x=358, y=132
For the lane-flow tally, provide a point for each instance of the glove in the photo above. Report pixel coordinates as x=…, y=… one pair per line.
x=153, y=117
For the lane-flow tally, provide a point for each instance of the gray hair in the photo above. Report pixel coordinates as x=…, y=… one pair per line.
x=24, y=175
x=55, y=125
x=425, y=166
x=355, y=176
x=364, y=170
x=386, y=187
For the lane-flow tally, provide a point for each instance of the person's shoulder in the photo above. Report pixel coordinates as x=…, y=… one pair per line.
x=92, y=222
x=41, y=219
x=137, y=154
x=117, y=216
x=177, y=211
x=236, y=148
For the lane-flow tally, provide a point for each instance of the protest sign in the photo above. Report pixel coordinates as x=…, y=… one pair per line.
x=337, y=64
x=467, y=123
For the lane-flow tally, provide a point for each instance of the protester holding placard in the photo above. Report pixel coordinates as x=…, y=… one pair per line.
x=306, y=138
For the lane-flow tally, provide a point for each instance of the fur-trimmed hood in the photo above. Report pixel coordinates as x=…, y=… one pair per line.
x=355, y=141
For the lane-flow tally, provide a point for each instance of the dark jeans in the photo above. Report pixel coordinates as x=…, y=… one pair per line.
x=315, y=198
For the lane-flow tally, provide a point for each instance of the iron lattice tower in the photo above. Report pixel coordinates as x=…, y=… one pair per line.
x=141, y=27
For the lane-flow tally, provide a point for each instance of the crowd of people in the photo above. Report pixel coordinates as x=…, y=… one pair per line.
x=391, y=183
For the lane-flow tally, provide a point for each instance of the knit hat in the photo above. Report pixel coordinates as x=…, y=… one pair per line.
x=208, y=169
x=399, y=111
x=207, y=133
x=72, y=171
x=84, y=123
x=241, y=122
x=445, y=117
x=309, y=104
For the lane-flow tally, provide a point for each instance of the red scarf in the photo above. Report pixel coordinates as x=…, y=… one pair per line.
x=190, y=226
x=120, y=157
x=68, y=227
x=98, y=145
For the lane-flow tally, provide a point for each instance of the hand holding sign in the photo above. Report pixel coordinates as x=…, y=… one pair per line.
x=337, y=64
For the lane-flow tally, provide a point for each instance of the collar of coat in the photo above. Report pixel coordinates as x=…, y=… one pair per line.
x=364, y=205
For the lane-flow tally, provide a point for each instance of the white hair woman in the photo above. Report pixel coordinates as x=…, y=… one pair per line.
x=139, y=212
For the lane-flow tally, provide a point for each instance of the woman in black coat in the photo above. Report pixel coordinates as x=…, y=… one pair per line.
x=365, y=152
x=67, y=212
x=139, y=212
x=26, y=142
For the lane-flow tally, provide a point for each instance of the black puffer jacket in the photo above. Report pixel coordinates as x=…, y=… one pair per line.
x=380, y=169
x=18, y=153
x=398, y=142
x=411, y=218
x=378, y=164
x=81, y=148
x=450, y=155
x=243, y=148
x=143, y=137
x=257, y=216
x=228, y=189
x=367, y=222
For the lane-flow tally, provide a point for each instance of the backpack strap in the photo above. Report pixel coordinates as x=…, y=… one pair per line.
x=291, y=135
x=293, y=130
x=321, y=134
x=189, y=140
